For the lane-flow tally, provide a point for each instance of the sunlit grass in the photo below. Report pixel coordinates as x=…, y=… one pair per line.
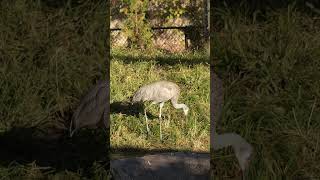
x=128, y=76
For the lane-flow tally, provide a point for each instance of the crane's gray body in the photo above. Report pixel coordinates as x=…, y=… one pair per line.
x=91, y=109
x=159, y=92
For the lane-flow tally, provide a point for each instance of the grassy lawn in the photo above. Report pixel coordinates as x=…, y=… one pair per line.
x=270, y=64
x=132, y=69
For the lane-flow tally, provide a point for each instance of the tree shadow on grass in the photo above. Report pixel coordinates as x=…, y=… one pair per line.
x=26, y=145
x=128, y=151
x=162, y=60
x=63, y=3
x=125, y=107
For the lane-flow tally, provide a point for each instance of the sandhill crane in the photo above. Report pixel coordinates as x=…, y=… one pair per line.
x=92, y=108
x=241, y=147
x=159, y=92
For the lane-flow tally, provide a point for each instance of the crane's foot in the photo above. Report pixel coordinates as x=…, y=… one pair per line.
x=160, y=135
x=166, y=123
x=147, y=126
x=147, y=135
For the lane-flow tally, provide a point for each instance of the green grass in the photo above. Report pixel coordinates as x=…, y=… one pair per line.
x=271, y=70
x=130, y=70
x=49, y=57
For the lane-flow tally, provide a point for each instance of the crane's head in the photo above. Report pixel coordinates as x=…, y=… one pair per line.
x=185, y=110
x=244, y=155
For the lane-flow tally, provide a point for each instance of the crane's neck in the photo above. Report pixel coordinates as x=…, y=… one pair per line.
x=243, y=150
x=181, y=106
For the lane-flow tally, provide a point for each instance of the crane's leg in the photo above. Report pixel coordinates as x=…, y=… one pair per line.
x=145, y=115
x=161, y=105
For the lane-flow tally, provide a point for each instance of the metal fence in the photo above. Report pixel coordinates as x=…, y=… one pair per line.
x=170, y=39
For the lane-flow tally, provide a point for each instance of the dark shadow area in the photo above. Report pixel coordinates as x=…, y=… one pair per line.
x=124, y=152
x=25, y=145
x=126, y=108
x=64, y=3
x=162, y=60
x=171, y=165
x=129, y=109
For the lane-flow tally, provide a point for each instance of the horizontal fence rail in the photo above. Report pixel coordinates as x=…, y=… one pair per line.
x=170, y=38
